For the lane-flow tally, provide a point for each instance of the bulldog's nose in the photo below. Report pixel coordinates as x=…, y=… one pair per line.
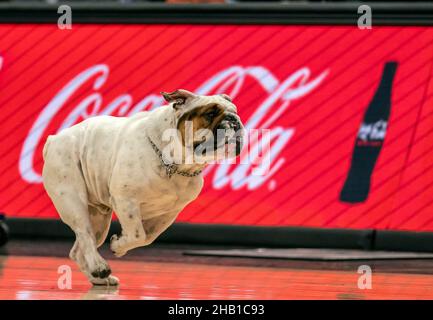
x=233, y=120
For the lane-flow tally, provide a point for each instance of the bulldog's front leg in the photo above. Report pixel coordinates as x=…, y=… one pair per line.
x=128, y=212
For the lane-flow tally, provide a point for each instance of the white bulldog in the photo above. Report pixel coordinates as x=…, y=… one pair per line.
x=140, y=166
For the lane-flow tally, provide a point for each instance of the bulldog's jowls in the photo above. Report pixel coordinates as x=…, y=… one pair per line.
x=140, y=167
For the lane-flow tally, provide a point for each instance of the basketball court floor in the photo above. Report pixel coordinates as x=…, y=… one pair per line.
x=31, y=270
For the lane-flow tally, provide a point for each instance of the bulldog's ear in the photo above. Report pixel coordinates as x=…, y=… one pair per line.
x=226, y=97
x=178, y=97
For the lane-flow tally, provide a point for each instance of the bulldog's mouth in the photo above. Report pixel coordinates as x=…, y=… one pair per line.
x=231, y=143
x=234, y=143
x=227, y=136
x=232, y=138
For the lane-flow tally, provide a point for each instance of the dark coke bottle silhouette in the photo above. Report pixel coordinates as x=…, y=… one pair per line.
x=369, y=140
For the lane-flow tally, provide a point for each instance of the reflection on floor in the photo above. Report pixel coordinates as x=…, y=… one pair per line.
x=37, y=277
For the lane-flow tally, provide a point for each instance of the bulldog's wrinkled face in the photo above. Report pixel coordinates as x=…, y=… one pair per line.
x=208, y=124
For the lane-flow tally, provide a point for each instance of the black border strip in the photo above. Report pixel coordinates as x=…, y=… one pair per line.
x=409, y=13
x=214, y=234
x=253, y=236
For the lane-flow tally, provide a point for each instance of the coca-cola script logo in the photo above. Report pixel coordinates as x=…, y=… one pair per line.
x=281, y=93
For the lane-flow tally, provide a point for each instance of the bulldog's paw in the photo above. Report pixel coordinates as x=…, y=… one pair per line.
x=114, y=238
x=102, y=271
x=109, y=281
x=119, y=253
x=115, y=246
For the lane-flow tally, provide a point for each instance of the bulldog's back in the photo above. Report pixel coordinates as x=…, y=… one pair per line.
x=93, y=146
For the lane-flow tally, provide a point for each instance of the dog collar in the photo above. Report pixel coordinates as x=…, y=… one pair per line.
x=171, y=168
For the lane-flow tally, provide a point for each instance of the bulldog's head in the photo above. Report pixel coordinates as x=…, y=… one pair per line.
x=209, y=125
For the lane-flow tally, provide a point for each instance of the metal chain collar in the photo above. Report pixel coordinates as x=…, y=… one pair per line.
x=172, y=169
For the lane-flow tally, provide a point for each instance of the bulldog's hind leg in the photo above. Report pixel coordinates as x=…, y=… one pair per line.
x=64, y=182
x=68, y=192
x=85, y=252
x=100, y=219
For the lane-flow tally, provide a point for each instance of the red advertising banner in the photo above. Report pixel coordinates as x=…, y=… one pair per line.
x=317, y=89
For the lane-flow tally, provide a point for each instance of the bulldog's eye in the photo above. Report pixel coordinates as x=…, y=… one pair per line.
x=210, y=115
